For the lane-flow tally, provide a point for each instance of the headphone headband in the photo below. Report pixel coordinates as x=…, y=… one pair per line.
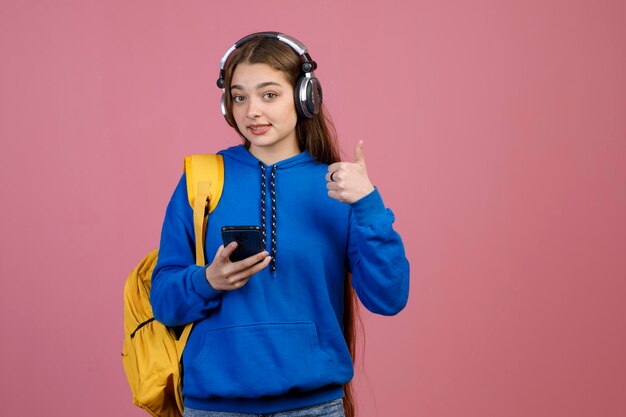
x=308, y=64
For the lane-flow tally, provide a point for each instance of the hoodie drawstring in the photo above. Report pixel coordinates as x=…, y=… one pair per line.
x=263, y=213
x=262, y=203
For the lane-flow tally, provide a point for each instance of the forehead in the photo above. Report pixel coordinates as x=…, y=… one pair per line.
x=252, y=75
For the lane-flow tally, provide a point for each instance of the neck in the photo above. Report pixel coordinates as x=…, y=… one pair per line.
x=270, y=156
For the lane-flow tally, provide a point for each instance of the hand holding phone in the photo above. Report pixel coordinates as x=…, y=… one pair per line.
x=248, y=257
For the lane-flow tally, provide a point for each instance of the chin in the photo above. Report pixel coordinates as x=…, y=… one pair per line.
x=262, y=142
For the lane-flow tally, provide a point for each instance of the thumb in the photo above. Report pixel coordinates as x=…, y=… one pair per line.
x=358, y=153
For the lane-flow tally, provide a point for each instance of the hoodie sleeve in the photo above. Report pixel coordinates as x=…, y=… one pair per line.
x=180, y=293
x=380, y=269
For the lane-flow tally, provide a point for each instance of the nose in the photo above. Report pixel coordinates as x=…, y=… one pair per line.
x=254, y=109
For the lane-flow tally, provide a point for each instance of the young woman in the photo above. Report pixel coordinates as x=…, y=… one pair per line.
x=273, y=333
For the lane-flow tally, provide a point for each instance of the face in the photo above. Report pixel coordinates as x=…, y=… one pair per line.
x=264, y=109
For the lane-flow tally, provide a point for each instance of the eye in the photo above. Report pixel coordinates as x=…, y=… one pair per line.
x=270, y=96
x=238, y=99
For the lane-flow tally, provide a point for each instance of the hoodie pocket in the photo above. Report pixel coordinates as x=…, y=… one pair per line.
x=262, y=359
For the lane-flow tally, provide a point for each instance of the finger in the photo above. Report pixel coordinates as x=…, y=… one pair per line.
x=224, y=252
x=249, y=261
x=332, y=176
x=258, y=266
x=358, y=153
x=240, y=278
x=334, y=167
x=333, y=170
x=334, y=195
x=332, y=185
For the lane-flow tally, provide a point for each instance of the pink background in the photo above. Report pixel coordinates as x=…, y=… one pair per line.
x=496, y=131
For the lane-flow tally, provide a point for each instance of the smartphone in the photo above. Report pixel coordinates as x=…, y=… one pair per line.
x=248, y=240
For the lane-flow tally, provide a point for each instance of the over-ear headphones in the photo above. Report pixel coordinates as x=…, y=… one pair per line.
x=308, y=90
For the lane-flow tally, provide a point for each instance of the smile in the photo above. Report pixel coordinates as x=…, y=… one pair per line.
x=259, y=129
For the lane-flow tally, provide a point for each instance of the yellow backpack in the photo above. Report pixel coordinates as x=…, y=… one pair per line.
x=152, y=352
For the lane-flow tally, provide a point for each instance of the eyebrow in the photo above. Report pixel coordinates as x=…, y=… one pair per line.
x=258, y=87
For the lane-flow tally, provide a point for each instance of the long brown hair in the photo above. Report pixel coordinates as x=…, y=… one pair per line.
x=316, y=135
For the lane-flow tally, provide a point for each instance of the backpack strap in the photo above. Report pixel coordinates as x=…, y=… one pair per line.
x=205, y=181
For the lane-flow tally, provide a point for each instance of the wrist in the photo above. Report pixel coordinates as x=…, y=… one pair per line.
x=202, y=285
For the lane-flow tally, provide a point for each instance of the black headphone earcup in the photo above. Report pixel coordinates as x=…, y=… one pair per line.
x=308, y=96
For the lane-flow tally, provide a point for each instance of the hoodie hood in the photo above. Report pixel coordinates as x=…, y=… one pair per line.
x=243, y=155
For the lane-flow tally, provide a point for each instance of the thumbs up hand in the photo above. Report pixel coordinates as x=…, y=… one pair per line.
x=348, y=181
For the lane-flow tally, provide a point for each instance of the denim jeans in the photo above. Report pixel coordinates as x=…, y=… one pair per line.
x=329, y=409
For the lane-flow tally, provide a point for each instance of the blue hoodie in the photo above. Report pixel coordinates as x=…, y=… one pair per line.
x=276, y=343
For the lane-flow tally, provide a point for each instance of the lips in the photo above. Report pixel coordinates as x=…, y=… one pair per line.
x=259, y=129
